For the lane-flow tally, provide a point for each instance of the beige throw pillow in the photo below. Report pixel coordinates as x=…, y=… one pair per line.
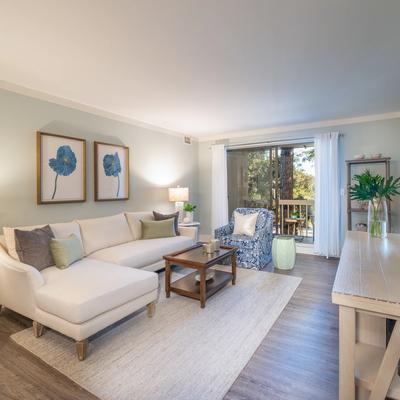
x=158, y=229
x=66, y=251
x=245, y=224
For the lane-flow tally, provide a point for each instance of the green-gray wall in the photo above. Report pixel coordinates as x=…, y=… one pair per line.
x=157, y=161
x=363, y=138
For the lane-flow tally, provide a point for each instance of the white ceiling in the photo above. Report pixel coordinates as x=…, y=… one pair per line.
x=204, y=67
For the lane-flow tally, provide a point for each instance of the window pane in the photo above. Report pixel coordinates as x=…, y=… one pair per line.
x=249, y=178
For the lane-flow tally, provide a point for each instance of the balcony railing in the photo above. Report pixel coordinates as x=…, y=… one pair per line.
x=296, y=218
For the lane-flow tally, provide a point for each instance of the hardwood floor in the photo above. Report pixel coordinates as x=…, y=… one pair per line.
x=298, y=359
x=23, y=376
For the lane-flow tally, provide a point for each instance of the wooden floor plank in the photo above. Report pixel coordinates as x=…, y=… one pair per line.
x=298, y=359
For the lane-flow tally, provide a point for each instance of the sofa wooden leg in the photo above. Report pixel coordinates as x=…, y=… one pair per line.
x=81, y=349
x=151, y=309
x=38, y=329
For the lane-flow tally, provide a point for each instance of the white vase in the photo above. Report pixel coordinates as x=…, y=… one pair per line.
x=188, y=217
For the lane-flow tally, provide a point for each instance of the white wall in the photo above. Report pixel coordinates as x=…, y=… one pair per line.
x=157, y=161
x=370, y=137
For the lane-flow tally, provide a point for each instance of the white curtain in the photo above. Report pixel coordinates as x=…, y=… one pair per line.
x=219, y=187
x=327, y=195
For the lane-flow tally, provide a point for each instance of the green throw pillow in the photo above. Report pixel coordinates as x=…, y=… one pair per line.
x=66, y=251
x=158, y=229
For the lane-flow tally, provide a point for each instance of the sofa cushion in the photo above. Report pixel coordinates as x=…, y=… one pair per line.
x=89, y=288
x=61, y=230
x=141, y=253
x=134, y=219
x=9, y=236
x=99, y=233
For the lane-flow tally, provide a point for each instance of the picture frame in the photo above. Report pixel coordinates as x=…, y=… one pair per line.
x=111, y=172
x=61, y=169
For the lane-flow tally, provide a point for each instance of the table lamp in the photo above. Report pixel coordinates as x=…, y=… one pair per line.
x=179, y=195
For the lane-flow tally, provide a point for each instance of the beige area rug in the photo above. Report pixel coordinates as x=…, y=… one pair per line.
x=183, y=352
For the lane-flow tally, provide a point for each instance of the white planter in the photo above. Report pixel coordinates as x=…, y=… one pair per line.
x=188, y=217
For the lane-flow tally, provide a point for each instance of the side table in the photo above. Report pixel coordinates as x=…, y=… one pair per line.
x=193, y=224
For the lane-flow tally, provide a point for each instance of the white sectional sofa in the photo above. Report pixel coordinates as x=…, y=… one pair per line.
x=113, y=280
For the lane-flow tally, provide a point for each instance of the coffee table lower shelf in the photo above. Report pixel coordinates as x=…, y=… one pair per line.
x=189, y=287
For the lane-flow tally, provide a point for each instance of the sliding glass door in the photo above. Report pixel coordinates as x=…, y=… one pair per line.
x=251, y=177
x=279, y=178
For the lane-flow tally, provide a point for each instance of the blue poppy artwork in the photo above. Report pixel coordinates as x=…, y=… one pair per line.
x=111, y=164
x=112, y=167
x=64, y=164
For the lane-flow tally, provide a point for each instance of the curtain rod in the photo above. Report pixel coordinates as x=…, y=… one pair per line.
x=267, y=142
x=303, y=140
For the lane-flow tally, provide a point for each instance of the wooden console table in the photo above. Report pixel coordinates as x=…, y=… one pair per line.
x=367, y=290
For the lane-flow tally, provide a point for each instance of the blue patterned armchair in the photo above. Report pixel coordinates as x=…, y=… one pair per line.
x=253, y=251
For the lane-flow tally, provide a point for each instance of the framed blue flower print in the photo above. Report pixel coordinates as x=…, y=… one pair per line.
x=111, y=172
x=61, y=169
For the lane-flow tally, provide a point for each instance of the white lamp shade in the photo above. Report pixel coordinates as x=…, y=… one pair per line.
x=178, y=194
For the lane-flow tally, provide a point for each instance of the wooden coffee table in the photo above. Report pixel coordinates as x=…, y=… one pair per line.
x=195, y=258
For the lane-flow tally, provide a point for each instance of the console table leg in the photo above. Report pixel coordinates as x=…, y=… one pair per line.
x=388, y=366
x=203, y=288
x=347, y=342
x=167, y=279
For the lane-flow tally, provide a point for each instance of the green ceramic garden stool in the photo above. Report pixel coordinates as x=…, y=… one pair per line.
x=284, y=252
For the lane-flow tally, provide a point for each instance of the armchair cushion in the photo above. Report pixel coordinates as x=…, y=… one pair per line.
x=245, y=224
x=240, y=241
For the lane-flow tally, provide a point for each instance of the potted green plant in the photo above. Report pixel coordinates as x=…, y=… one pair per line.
x=189, y=209
x=377, y=191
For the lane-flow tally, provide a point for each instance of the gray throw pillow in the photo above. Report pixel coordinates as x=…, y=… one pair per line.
x=161, y=217
x=33, y=247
